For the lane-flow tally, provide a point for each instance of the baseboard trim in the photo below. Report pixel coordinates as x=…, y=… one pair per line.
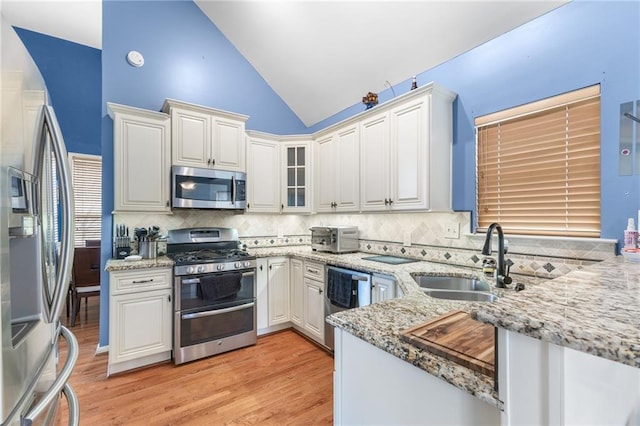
x=102, y=349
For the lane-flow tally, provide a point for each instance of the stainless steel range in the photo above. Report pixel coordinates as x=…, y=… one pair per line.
x=215, y=293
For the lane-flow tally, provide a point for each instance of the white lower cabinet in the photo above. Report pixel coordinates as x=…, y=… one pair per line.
x=140, y=318
x=297, y=301
x=382, y=288
x=273, y=298
x=313, y=315
x=307, y=298
x=278, y=288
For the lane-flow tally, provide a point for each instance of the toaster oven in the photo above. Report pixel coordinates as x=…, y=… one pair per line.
x=334, y=239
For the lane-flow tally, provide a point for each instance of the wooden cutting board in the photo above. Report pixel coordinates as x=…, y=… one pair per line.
x=459, y=338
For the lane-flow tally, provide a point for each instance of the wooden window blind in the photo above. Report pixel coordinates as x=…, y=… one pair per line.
x=87, y=192
x=538, y=167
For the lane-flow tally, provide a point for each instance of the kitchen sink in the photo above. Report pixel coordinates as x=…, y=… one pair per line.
x=469, y=296
x=451, y=283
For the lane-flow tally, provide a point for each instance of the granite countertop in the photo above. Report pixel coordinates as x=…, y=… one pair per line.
x=594, y=310
x=125, y=265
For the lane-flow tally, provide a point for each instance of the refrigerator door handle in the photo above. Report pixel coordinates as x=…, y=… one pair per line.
x=60, y=382
x=74, y=406
x=48, y=126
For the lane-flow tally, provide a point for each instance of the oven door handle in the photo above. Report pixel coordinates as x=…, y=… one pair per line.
x=197, y=280
x=217, y=311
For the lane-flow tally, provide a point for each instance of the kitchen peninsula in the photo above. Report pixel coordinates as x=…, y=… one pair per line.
x=549, y=334
x=574, y=354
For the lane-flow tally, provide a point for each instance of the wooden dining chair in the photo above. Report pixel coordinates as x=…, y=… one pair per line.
x=86, y=278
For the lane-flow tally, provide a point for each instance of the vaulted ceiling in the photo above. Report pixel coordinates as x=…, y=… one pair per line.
x=320, y=57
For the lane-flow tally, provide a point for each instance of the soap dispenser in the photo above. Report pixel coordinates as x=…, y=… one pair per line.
x=630, y=235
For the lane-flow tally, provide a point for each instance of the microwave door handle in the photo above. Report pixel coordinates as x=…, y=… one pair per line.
x=233, y=190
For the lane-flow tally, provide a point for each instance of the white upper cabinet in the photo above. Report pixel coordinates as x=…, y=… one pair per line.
x=406, y=153
x=278, y=178
x=263, y=178
x=374, y=162
x=296, y=176
x=142, y=159
x=337, y=165
x=206, y=137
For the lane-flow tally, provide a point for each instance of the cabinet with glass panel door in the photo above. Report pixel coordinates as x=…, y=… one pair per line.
x=296, y=197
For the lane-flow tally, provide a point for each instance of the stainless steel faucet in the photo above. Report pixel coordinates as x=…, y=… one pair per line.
x=502, y=274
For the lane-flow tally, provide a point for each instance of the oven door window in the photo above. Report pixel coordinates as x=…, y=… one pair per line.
x=207, y=325
x=203, y=188
x=224, y=289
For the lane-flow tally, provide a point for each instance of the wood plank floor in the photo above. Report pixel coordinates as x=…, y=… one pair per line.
x=284, y=379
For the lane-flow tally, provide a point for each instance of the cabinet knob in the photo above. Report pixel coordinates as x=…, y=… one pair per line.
x=213, y=162
x=167, y=204
x=261, y=267
x=209, y=162
x=386, y=202
x=390, y=201
x=319, y=291
x=248, y=206
x=270, y=266
x=169, y=298
x=281, y=207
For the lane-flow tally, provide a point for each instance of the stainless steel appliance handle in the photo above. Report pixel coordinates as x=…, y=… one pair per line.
x=73, y=405
x=65, y=260
x=233, y=189
x=218, y=311
x=197, y=280
x=61, y=380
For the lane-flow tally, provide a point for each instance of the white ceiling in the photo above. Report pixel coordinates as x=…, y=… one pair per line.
x=320, y=57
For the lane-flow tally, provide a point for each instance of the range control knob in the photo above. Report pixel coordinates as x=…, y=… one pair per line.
x=246, y=264
x=200, y=269
x=220, y=267
x=238, y=264
x=190, y=270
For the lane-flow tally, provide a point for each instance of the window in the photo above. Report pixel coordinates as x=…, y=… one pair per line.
x=538, y=166
x=86, y=171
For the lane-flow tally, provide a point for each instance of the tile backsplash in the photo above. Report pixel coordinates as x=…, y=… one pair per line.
x=413, y=234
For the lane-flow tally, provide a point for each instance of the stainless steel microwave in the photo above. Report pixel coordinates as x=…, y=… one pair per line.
x=198, y=188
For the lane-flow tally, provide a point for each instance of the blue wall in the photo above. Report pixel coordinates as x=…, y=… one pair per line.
x=576, y=45
x=73, y=75
x=186, y=58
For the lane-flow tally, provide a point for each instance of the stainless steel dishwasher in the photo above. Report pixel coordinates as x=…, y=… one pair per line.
x=344, y=289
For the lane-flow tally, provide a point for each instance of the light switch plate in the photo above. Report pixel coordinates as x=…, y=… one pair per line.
x=452, y=230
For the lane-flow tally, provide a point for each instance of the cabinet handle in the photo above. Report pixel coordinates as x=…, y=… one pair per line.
x=169, y=297
x=281, y=207
x=319, y=291
x=270, y=266
x=390, y=201
x=208, y=161
x=143, y=281
x=248, y=206
x=315, y=271
x=213, y=162
x=386, y=202
x=261, y=267
x=167, y=204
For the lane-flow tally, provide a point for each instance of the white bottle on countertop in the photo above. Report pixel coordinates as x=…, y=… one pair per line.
x=630, y=235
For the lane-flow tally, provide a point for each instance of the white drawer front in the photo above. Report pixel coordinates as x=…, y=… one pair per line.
x=122, y=282
x=314, y=270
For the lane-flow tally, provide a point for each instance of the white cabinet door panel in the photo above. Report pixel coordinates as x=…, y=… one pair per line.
x=374, y=152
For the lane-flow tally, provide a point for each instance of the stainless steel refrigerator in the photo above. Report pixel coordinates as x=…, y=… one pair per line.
x=36, y=257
